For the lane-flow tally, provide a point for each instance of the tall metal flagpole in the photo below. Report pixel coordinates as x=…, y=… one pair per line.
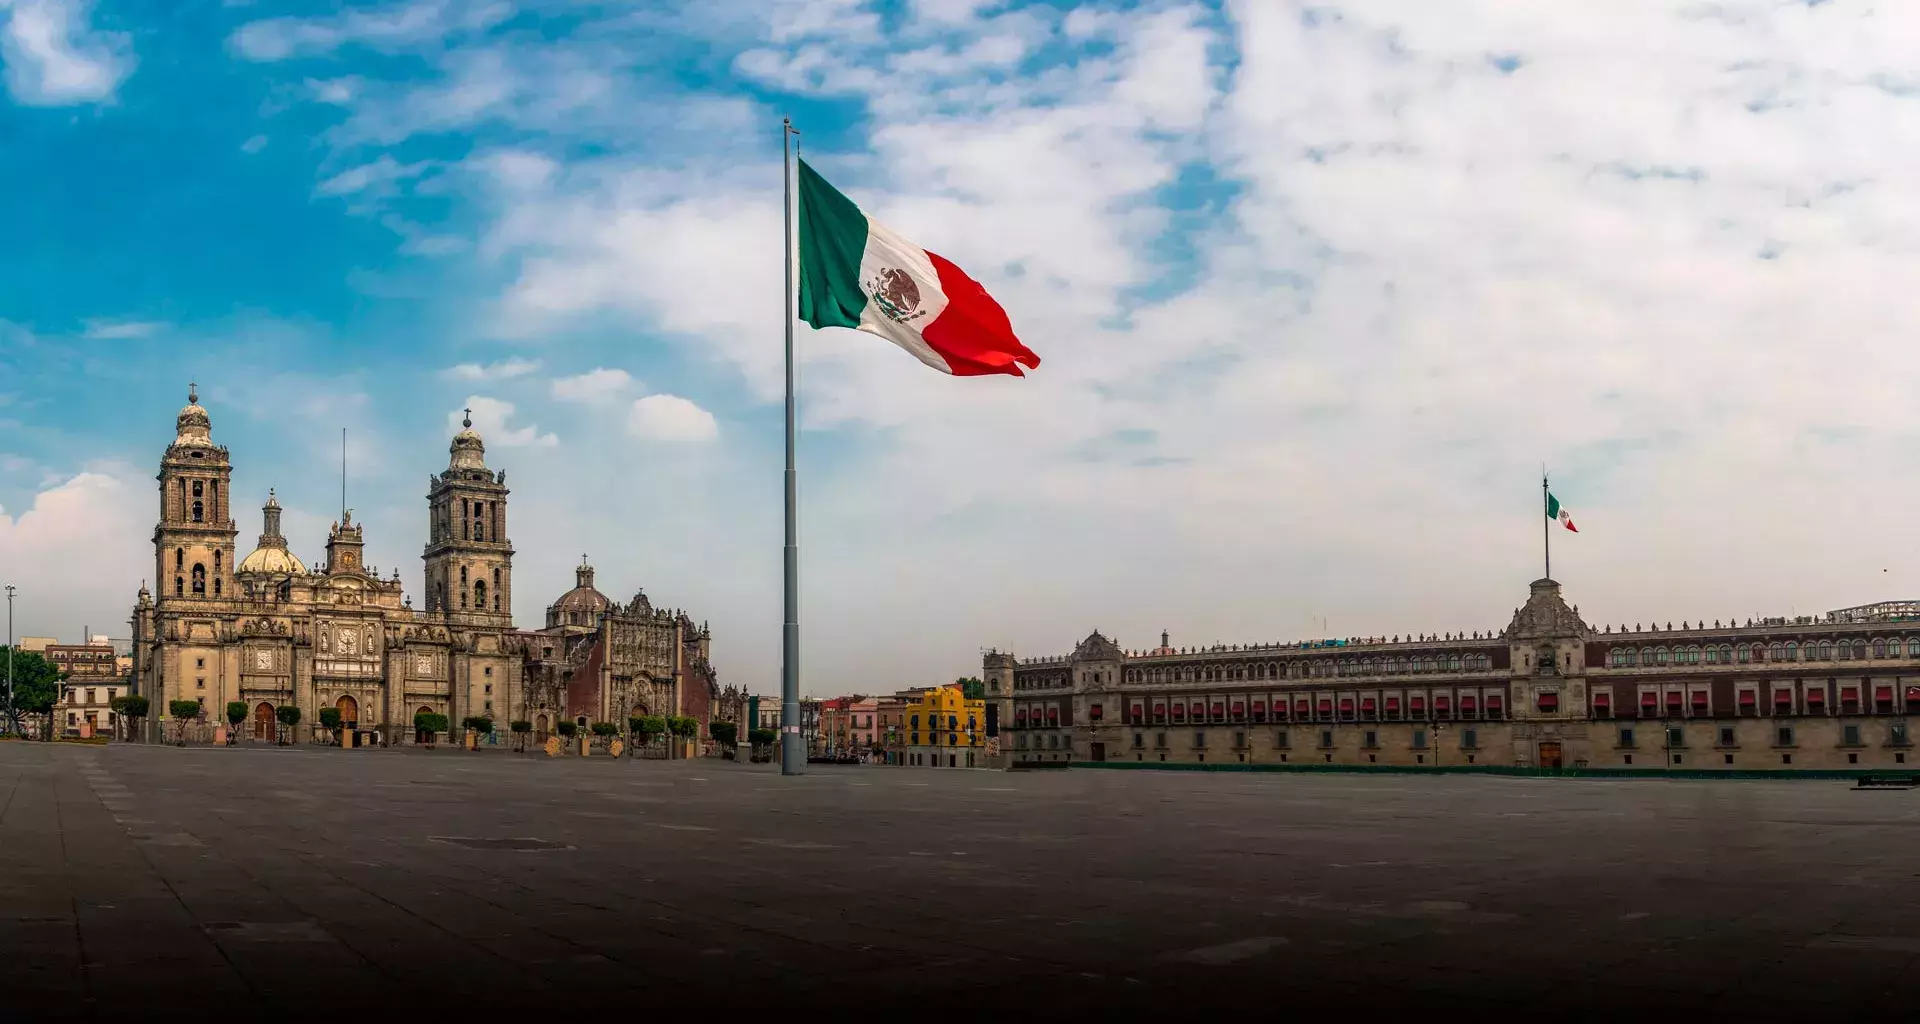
x=793, y=754
x=1546, y=524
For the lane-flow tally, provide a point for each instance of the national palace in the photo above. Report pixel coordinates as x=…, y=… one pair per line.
x=268, y=631
x=1549, y=691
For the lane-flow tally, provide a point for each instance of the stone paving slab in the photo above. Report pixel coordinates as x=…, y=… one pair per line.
x=142, y=881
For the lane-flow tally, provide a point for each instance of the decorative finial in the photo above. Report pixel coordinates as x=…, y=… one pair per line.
x=583, y=560
x=193, y=393
x=468, y=422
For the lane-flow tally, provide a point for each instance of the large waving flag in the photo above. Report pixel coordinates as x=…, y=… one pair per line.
x=855, y=272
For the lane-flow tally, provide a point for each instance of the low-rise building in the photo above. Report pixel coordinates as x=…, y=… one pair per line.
x=946, y=730
x=91, y=679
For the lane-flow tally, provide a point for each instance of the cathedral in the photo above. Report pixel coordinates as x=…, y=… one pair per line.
x=268, y=631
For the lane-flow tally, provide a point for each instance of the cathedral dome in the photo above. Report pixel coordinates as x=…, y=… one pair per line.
x=581, y=606
x=467, y=450
x=271, y=557
x=192, y=425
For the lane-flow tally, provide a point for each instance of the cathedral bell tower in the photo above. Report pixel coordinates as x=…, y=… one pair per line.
x=469, y=559
x=193, y=543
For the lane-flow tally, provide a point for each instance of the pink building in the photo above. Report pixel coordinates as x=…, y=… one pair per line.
x=849, y=725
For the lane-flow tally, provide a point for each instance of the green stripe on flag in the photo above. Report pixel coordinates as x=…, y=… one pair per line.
x=833, y=237
x=1553, y=507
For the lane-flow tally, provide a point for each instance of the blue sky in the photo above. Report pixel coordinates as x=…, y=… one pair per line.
x=1318, y=286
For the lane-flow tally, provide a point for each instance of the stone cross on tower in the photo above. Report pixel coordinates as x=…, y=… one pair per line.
x=468, y=421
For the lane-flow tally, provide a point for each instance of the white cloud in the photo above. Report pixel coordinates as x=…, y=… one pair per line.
x=110, y=330
x=77, y=552
x=377, y=179
x=254, y=144
x=54, y=57
x=670, y=418
x=490, y=416
x=505, y=369
x=597, y=385
x=394, y=28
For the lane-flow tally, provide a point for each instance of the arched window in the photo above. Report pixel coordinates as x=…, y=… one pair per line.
x=480, y=596
x=463, y=599
x=1660, y=654
x=1774, y=652
x=1713, y=655
x=1826, y=651
x=216, y=586
x=199, y=579
x=179, y=587
x=1859, y=650
x=199, y=514
x=216, y=563
x=1879, y=648
x=179, y=558
x=1743, y=652
x=439, y=596
x=1793, y=651
x=496, y=579
x=463, y=576
x=196, y=488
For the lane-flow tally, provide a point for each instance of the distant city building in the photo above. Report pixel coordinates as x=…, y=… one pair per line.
x=946, y=730
x=37, y=644
x=93, y=678
x=1550, y=690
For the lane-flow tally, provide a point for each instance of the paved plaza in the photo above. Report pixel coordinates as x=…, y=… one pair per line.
x=246, y=882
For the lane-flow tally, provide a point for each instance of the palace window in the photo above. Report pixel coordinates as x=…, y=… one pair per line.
x=1749, y=702
x=1419, y=739
x=1726, y=736
x=1850, y=699
x=179, y=558
x=1549, y=702
x=1879, y=648
x=1913, y=699
x=1745, y=653
x=1713, y=655
x=1699, y=702
x=1850, y=736
x=1883, y=699
x=1816, y=700
x=1826, y=651
x=1783, y=736
x=1673, y=703
x=179, y=587
x=1602, y=704
x=1494, y=707
x=1859, y=650
x=1792, y=651
x=1626, y=738
x=1660, y=656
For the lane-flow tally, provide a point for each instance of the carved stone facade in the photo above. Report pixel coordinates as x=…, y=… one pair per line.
x=1550, y=690
x=270, y=632
x=599, y=661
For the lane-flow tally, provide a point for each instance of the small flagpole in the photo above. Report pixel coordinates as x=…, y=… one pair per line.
x=1546, y=525
x=793, y=756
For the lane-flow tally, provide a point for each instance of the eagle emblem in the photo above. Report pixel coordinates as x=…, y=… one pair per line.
x=897, y=296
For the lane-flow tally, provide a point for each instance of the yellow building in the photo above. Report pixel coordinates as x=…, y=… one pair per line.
x=946, y=730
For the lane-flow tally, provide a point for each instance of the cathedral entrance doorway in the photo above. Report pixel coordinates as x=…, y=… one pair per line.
x=1550, y=754
x=540, y=729
x=263, y=723
x=349, y=712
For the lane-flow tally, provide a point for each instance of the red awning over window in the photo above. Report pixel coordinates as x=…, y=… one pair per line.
x=1053, y=713
x=1649, y=699
x=1783, y=696
x=1366, y=703
x=1549, y=702
x=1238, y=707
x=1346, y=703
x=1326, y=704
x=1699, y=698
x=1673, y=699
x=1441, y=702
x=1093, y=712
x=1261, y=705
x=1303, y=705
x=1600, y=700
x=1159, y=708
x=1417, y=703
x=1219, y=709
x=1493, y=702
x=1746, y=697
x=1883, y=693
x=1850, y=694
x=1393, y=703
x=1020, y=715
x=1817, y=696
x=1466, y=703
x=1913, y=693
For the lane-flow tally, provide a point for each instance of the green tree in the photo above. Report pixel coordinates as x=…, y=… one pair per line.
x=724, y=733
x=330, y=721
x=481, y=725
x=429, y=724
x=130, y=708
x=36, y=685
x=521, y=727
x=182, y=712
x=567, y=729
x=289, y=717
x=972, y=688
x=236, y=712
x=606, y=731
x=683, y=726
x=762, y=737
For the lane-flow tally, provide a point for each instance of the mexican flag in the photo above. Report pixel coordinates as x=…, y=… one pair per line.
x=1557, y=511
x=855, y=272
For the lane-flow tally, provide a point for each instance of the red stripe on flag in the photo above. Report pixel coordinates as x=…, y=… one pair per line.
x=973, y=333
